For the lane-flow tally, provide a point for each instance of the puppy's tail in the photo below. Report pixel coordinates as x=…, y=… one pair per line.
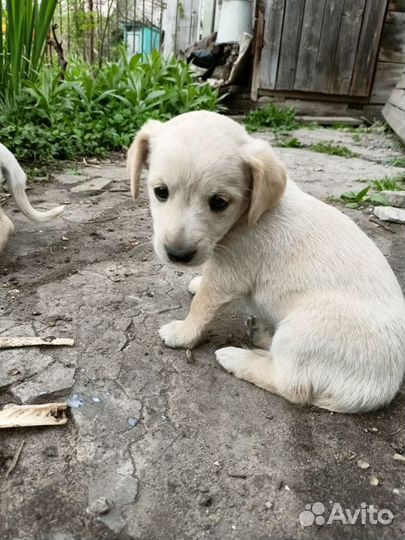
x=16, y=180
x=21, y=199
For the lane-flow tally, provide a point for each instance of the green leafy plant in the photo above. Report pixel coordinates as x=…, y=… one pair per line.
x=354, y=199
x=279, y=119
x=372, y=193
x=332, y=149
x=97, y=110
x=24, y=30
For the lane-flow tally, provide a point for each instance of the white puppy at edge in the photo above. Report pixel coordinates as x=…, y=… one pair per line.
x=330, y=327
x=12, y=173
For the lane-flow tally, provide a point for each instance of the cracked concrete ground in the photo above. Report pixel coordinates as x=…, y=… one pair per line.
x=158, y=445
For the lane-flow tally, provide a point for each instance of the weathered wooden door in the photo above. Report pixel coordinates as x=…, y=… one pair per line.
x=320, y=46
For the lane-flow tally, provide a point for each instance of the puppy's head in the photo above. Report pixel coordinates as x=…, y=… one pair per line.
x=204, y=173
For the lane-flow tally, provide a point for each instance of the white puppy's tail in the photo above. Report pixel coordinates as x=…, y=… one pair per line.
x=21, y=199
x=16, y=180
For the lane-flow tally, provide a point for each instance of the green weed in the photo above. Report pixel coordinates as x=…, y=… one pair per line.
x=279, y=119
x=396, y=162
x=372, y=193
x=394, y=183
x=332, y=149
x=292, y=142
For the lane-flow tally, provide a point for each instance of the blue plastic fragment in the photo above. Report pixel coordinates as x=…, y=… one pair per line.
x=76, y=401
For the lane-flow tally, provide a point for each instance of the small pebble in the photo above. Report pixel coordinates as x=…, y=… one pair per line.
x=362, y=464
x=399, y=457
x=374, y=481
x=268, y=505
x=99, y=507
x=133, y=421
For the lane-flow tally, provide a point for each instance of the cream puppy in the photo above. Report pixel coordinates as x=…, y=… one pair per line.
x=12, y=173
x=329, y=312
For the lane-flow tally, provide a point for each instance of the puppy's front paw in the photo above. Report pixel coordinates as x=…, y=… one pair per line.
x=194, y=284
x=175, y=335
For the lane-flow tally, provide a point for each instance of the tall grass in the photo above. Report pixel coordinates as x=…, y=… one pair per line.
x=22, y=43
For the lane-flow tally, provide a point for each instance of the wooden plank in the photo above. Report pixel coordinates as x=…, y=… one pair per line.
x=317, y=108
x=385, y=80
x=309, y=45
x=187, y=24
x=345, y=58
x=397, y=5
x=169, y=25
x=373, y=113
x=395, y=118
x=392, y=48
x=401, y=82
x=34, y=341
x=257, y=47
x=397, y=98
x=273, y=28
x=367, y=52
x=293, y=14
x=327, y=45
x=331, y=120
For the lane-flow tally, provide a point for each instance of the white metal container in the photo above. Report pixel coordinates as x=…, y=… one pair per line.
x=235, y=18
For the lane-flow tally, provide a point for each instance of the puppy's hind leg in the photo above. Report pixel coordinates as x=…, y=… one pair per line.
x=259, y=333
x=258, y=367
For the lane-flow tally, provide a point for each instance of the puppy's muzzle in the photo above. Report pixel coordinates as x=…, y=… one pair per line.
x=180, y=255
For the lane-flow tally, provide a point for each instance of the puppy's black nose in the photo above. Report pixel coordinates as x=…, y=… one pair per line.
x=180, y=255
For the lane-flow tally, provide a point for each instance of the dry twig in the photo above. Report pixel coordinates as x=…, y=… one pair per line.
x=16, y=457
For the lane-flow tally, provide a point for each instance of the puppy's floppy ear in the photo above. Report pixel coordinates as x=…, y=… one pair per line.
x=138, y=153
x=269, y=177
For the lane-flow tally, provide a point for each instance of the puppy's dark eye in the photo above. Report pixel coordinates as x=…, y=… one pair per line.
x=161, y=192
x=218, y=204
